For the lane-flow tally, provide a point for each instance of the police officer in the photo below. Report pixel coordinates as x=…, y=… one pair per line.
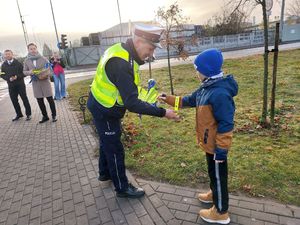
x=115, y=89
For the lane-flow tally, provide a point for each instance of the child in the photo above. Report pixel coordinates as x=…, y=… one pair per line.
x=214, y=125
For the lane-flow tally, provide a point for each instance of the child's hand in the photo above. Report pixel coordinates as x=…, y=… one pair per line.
x=162, y=97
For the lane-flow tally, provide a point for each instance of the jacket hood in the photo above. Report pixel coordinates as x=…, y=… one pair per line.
x=228, y=82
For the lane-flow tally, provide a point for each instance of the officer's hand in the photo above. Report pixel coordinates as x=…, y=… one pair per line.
x=170, y=114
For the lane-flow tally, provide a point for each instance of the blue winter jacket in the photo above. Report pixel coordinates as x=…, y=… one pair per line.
x=215, y=110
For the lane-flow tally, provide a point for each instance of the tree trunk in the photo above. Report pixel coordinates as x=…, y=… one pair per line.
x=272, y=112
x=169, y=66
x=265, y=82
x=150, y=72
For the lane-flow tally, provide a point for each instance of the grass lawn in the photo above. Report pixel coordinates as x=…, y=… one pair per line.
x=261, y=162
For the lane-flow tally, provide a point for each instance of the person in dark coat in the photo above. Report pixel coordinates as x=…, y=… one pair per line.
x=12, y=72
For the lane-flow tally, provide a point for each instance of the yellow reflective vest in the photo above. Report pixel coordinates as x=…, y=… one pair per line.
x=103, y=90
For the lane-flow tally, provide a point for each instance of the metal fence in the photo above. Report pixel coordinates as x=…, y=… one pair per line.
x=85, y=55
x=91, y=54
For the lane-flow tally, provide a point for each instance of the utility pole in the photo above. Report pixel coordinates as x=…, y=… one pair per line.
x=23, y=25
x=54, y=23
x=281, y=20
x=121, y=31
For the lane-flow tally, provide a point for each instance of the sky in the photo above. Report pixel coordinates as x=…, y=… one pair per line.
x=79, y=18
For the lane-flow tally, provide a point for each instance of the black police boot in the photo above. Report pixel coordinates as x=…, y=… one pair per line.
x=17, y=118
x=44, y=119
x=54, y=119
x=104, y=178
x=131, y=192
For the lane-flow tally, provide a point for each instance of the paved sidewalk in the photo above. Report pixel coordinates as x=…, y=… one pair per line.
x=48, y=175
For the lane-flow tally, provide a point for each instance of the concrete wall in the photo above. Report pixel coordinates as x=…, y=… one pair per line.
x=291, y=32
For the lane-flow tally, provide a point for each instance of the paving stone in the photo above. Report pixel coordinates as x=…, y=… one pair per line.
x=289, y=220
x=165, y=213
x=68, y=206
x=240, y=211
x=138, y=207
x=118, y=217
x=265, y=216
x=23, y=220
x=70, y=218
x=105, y=215
x=89, y=200
x=80, y=209
x=185, y=193
x=251, y=205
x=186, y=216
x=165, y=189
x=108, y=193
x=3, y=215
x=191, y=201
x=278, y=209
x=148, y=189
x=12, y=218
x=112, y=204
x=188, y=223
x=46, y=215
x=178, y=206
x=36, y=212
x=194, y=209
x=125, y=206
x=132, y=219
x=155, y=216
x=82, y=220
x=25, y=210
x=101, y=202
x=58, y=220
x=95, y=221
x=146, y=220
x=156, y=201
x=172, y=197
x=249, y=221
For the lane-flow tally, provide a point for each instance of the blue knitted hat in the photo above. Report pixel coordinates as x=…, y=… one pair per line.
x=209, y=62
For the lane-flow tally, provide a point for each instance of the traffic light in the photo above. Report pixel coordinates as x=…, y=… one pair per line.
x=64, y=43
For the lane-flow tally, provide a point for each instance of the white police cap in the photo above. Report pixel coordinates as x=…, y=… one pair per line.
x=150, y=33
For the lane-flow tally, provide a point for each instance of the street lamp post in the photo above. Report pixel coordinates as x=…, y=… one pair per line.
x=121, y=32
x=23, y=25
x=54, y=23
x=281, y=20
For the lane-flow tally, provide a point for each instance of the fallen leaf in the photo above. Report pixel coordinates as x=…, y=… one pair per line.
x=183, y=165
x=258, y=127
x=247, y=187
x=289, y=115
x=269, y=148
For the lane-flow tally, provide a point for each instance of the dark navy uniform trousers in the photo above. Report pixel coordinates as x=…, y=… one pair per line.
x=112, y=155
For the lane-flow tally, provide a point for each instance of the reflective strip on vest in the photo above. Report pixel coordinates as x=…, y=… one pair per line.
x=103, y=90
